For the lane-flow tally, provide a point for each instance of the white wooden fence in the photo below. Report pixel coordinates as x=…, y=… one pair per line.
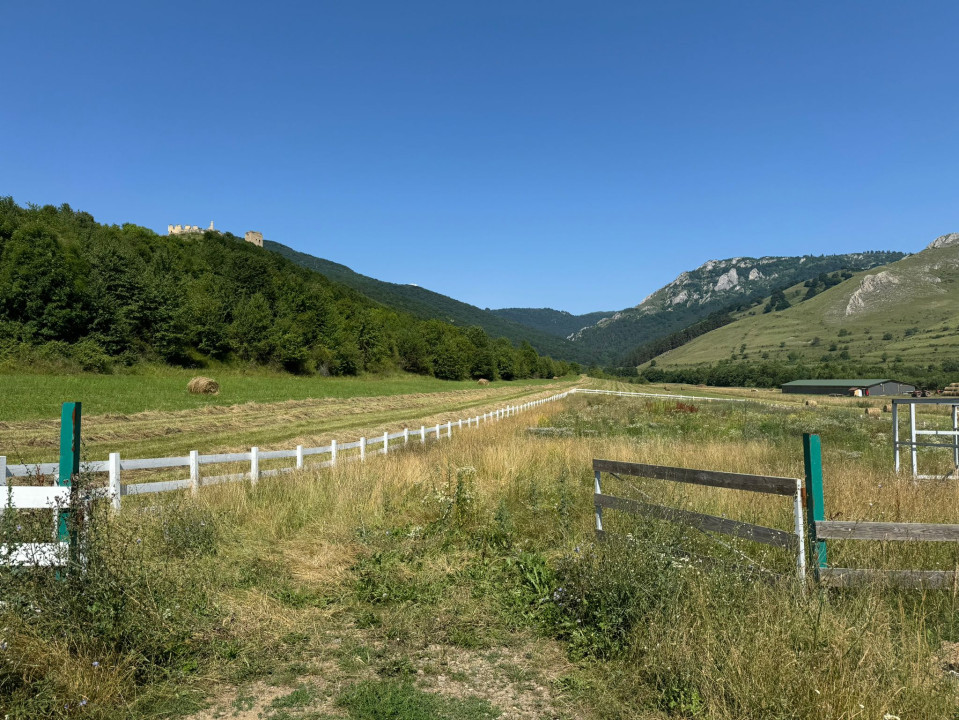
x=56, y=498
x=20, y=497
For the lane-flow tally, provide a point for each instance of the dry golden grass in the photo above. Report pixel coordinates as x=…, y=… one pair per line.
x=734, y=649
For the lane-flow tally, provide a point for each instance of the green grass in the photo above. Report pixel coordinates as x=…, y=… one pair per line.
x=915, y=320
x=401, y=700
x=35, y=397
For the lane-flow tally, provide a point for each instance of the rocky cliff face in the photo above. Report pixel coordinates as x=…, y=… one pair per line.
x=944, y=241
x=714, y=285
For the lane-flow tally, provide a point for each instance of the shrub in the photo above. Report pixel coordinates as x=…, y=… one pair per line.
x=603, y=593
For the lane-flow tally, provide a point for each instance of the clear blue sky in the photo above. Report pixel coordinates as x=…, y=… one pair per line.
x=572, y=155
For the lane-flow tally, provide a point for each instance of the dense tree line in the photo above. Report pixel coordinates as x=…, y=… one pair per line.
x=101, y=295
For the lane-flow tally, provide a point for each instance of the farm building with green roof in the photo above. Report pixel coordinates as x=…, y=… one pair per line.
x=849, y=386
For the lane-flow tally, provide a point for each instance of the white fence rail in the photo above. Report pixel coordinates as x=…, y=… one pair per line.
x=23, y=497
x=914, y=442
x=55, y=498
x=660, y=396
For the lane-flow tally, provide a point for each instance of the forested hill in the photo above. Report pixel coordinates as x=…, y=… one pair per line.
x=426, y=304
x=555, y=322
x=76, y=291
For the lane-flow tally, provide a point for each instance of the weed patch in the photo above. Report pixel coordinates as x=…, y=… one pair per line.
x=396, y=700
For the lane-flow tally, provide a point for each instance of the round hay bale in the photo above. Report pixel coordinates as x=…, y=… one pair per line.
x=873, y=412
x=887, y=407
x=203, y=386
x=482, y=381
x=811, y=403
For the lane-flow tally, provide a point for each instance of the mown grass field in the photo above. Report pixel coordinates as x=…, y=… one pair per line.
x=153, y=415
x=27, y=396
x=460, y=580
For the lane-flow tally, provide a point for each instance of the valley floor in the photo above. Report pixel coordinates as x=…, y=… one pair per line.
x=461, y=580
x=271, y=412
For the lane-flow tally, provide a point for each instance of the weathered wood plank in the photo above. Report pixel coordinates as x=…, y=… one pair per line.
x=711, y=523
x=847, y=577
x=732, y=481
x=925, y=532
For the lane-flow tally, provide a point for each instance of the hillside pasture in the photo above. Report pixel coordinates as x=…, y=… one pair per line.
x=913, y=320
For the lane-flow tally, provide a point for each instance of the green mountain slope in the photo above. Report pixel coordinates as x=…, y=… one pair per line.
x=426, y=304
x=714, y=286
x=906, y=311
x=94, y=296
x=555, y=322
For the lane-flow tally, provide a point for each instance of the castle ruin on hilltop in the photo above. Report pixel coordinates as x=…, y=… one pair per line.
x=252, y=236
x=189, y=229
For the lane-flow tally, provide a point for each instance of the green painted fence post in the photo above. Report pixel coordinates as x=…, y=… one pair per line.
x=69, y=465
x=815, y=507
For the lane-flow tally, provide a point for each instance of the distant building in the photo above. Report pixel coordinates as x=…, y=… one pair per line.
x=188, y=229
x=855, y=386
x=252, y=236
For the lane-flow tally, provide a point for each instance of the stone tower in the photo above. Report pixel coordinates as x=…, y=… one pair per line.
x=252, y=236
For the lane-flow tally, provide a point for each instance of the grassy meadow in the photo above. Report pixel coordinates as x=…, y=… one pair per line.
x=151, y=414
x=461, y=580
x=28, y=396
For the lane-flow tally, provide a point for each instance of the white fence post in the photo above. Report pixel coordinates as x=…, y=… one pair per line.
x=449, y=429
x=113, y=469
x=460, y=424
x=406, y=436
x=386, y=443
x=299, y=457
x=597, y=489
x=194, y=471
x=437, y=431
x=800, y=533
x=333, y=452
x=362, y=449
x=912, y=437
x=254, y=465
x=422, y=434
x=955, y=438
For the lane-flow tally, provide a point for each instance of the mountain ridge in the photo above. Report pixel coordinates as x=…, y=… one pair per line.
x=713, y=286
x=907, y=309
